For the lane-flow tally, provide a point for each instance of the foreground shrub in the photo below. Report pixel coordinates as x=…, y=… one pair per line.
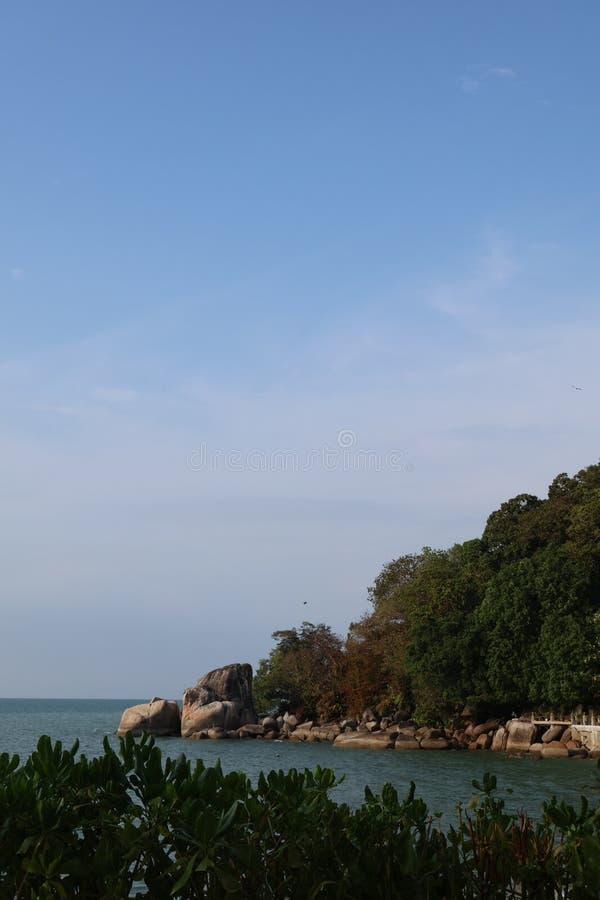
x=129, y=824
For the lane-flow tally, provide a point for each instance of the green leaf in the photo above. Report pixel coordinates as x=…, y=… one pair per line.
x=187, y=874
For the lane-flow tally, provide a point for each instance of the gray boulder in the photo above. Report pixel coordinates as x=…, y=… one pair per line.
x=485, y=727
x=406, y=741
x=554, y=733
x=521, y=735
x=554, y=750
x=252, y=730
x=221, y=699
x=379, y=740
x=269, y=723
x=349, y=724
x=328, y=731
x=217, y=734
x=435, y=743
x=158, y=717
x=499, y=739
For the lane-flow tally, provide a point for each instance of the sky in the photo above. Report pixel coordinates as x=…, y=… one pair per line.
x=286, y=291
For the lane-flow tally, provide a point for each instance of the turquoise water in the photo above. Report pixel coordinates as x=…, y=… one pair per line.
x=442, y=778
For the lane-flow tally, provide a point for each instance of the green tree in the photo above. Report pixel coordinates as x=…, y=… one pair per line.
x=375, y=664
x=442, y=644
x=510, y=532
x=509, y=623
x=303, y=671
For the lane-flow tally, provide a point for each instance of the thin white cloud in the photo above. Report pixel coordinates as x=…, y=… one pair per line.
x=469, y=85
x=476, y=76
x=58, y=409
x=474, y=294
x=499, y=262
x=115, y=395
x=501, y=72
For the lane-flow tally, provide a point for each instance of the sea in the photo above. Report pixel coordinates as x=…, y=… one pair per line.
x=443, y=778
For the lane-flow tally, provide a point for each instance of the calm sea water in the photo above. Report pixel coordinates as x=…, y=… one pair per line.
x=442, y=778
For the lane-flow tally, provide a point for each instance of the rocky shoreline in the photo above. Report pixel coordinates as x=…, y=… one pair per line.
x=220, y=706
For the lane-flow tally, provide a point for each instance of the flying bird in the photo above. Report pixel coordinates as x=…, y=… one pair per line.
x=575, y=388
x=304, y=602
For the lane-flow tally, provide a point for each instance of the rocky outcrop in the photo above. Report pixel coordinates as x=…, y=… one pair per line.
x=538, y=740
x=158, y=717
x=221, y=699
x=541, y=740
x=220, y=706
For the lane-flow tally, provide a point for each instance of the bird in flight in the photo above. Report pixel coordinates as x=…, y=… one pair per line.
x=304, y=602
x=575, y=388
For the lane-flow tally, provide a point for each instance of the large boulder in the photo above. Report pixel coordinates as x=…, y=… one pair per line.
x=521, y=735
x=405, y=728
x=554, y=750
x=379, y=740
x=250, y=730
x=485, y=728
x=158, y=717
x=301, y=732
x=426, y=733
x=369, y=715
x=435, y=743
x=269, y=723
x=221, y=699
x=500, y=738
x=567, y=735
x=406, y=741
x=554, y=733
x=326, y=732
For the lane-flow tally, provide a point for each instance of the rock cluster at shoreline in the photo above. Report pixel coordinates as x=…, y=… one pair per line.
x=515, y=737
x=220, y=706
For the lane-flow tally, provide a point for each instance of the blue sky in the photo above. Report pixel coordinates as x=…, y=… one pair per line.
x=272, y=227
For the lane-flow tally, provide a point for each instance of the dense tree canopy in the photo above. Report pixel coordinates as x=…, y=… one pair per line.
x=507, y=621
x=303, y=671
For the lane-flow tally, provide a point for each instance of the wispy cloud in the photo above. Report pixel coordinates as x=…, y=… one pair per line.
x=476, y=76
x=115, y=395
x=473, y=294
x=498, y=262
x=501, y=72
x=103, y=510
x=58, y=409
